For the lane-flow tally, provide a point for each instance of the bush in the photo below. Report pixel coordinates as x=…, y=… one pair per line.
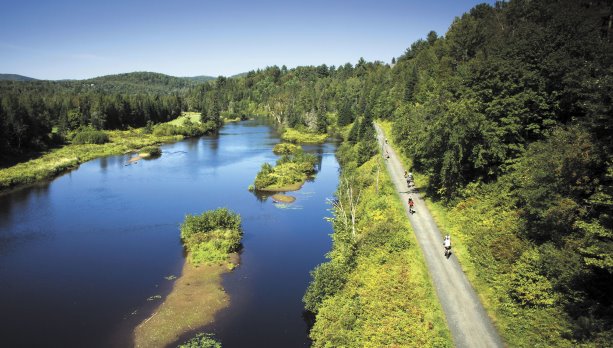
x=90, y=136
x=263, y=178
x=286, y=149
x=150, y=151
x=328, y=279
x=165, y=130
x=528, y=285
x=202, y=340
x=211, y=236
x=218, y=219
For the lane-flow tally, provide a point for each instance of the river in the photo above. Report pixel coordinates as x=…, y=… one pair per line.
x=81, y=254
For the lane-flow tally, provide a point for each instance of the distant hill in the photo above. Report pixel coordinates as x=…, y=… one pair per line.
x=15, y=77
x=139, y=77
x=201, y=78
x=239, y=75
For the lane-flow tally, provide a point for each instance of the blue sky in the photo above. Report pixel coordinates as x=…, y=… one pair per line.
x=67, y=39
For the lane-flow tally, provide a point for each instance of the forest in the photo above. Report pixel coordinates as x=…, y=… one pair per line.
x=508, y=117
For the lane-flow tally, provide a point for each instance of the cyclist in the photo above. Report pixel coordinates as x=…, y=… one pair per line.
x=447, y=245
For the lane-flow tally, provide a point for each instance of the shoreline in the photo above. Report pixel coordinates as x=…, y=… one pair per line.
x=61, y=160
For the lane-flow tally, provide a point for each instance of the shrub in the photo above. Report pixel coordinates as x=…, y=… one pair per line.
x=165, y=130
x=201, y=340
x=221, y=218
x=328, y=279
x=151, y=151
x=211, y=236
x=528, y=285
x=90, y=136
x=286, y=149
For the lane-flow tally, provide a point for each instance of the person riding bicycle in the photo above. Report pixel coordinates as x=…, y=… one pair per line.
x=447, y=244
x=411, y=204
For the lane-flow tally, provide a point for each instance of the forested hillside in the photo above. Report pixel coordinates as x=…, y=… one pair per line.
x=15, y=77
x=509, y=117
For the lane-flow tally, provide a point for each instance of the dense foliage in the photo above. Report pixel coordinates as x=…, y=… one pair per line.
x=286, y=149
x=509, y=116
x=374, y=291
x=212, y=235
x=201, y=340
x=90, y=136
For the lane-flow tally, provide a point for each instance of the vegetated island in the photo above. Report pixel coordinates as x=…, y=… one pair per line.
x=303, y=137
x=212, y=240
x=292, y=169
x=87, y=143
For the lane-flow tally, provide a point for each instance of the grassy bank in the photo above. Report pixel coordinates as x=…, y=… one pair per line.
x=290, y=171
x=375, y=290
x=211, y=240
x=70, y=156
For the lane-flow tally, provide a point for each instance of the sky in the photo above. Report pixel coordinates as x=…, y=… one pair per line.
x=77, y=39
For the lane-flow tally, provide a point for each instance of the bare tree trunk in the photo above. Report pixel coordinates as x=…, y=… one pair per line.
x=347, y=214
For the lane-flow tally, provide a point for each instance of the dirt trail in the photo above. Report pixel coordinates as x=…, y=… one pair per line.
x=469, y=323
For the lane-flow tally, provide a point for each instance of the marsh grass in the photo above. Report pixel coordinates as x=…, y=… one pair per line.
x=195, y=298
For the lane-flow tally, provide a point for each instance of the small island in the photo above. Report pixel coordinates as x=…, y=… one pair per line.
x=292, y=169
x=211, y=240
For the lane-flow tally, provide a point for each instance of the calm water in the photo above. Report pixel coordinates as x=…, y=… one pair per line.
x=79, y=256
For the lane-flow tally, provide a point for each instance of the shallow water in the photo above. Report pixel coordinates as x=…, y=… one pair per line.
x=80, y=255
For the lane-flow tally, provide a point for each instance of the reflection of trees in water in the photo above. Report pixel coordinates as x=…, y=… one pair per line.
x=262, y=196
x=213, y=141
x=104, y=163
x=18, y=200
x=192, y=144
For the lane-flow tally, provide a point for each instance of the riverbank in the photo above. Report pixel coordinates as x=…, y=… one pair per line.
x=196, y=296
x=375, y=288
x=68, y=157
